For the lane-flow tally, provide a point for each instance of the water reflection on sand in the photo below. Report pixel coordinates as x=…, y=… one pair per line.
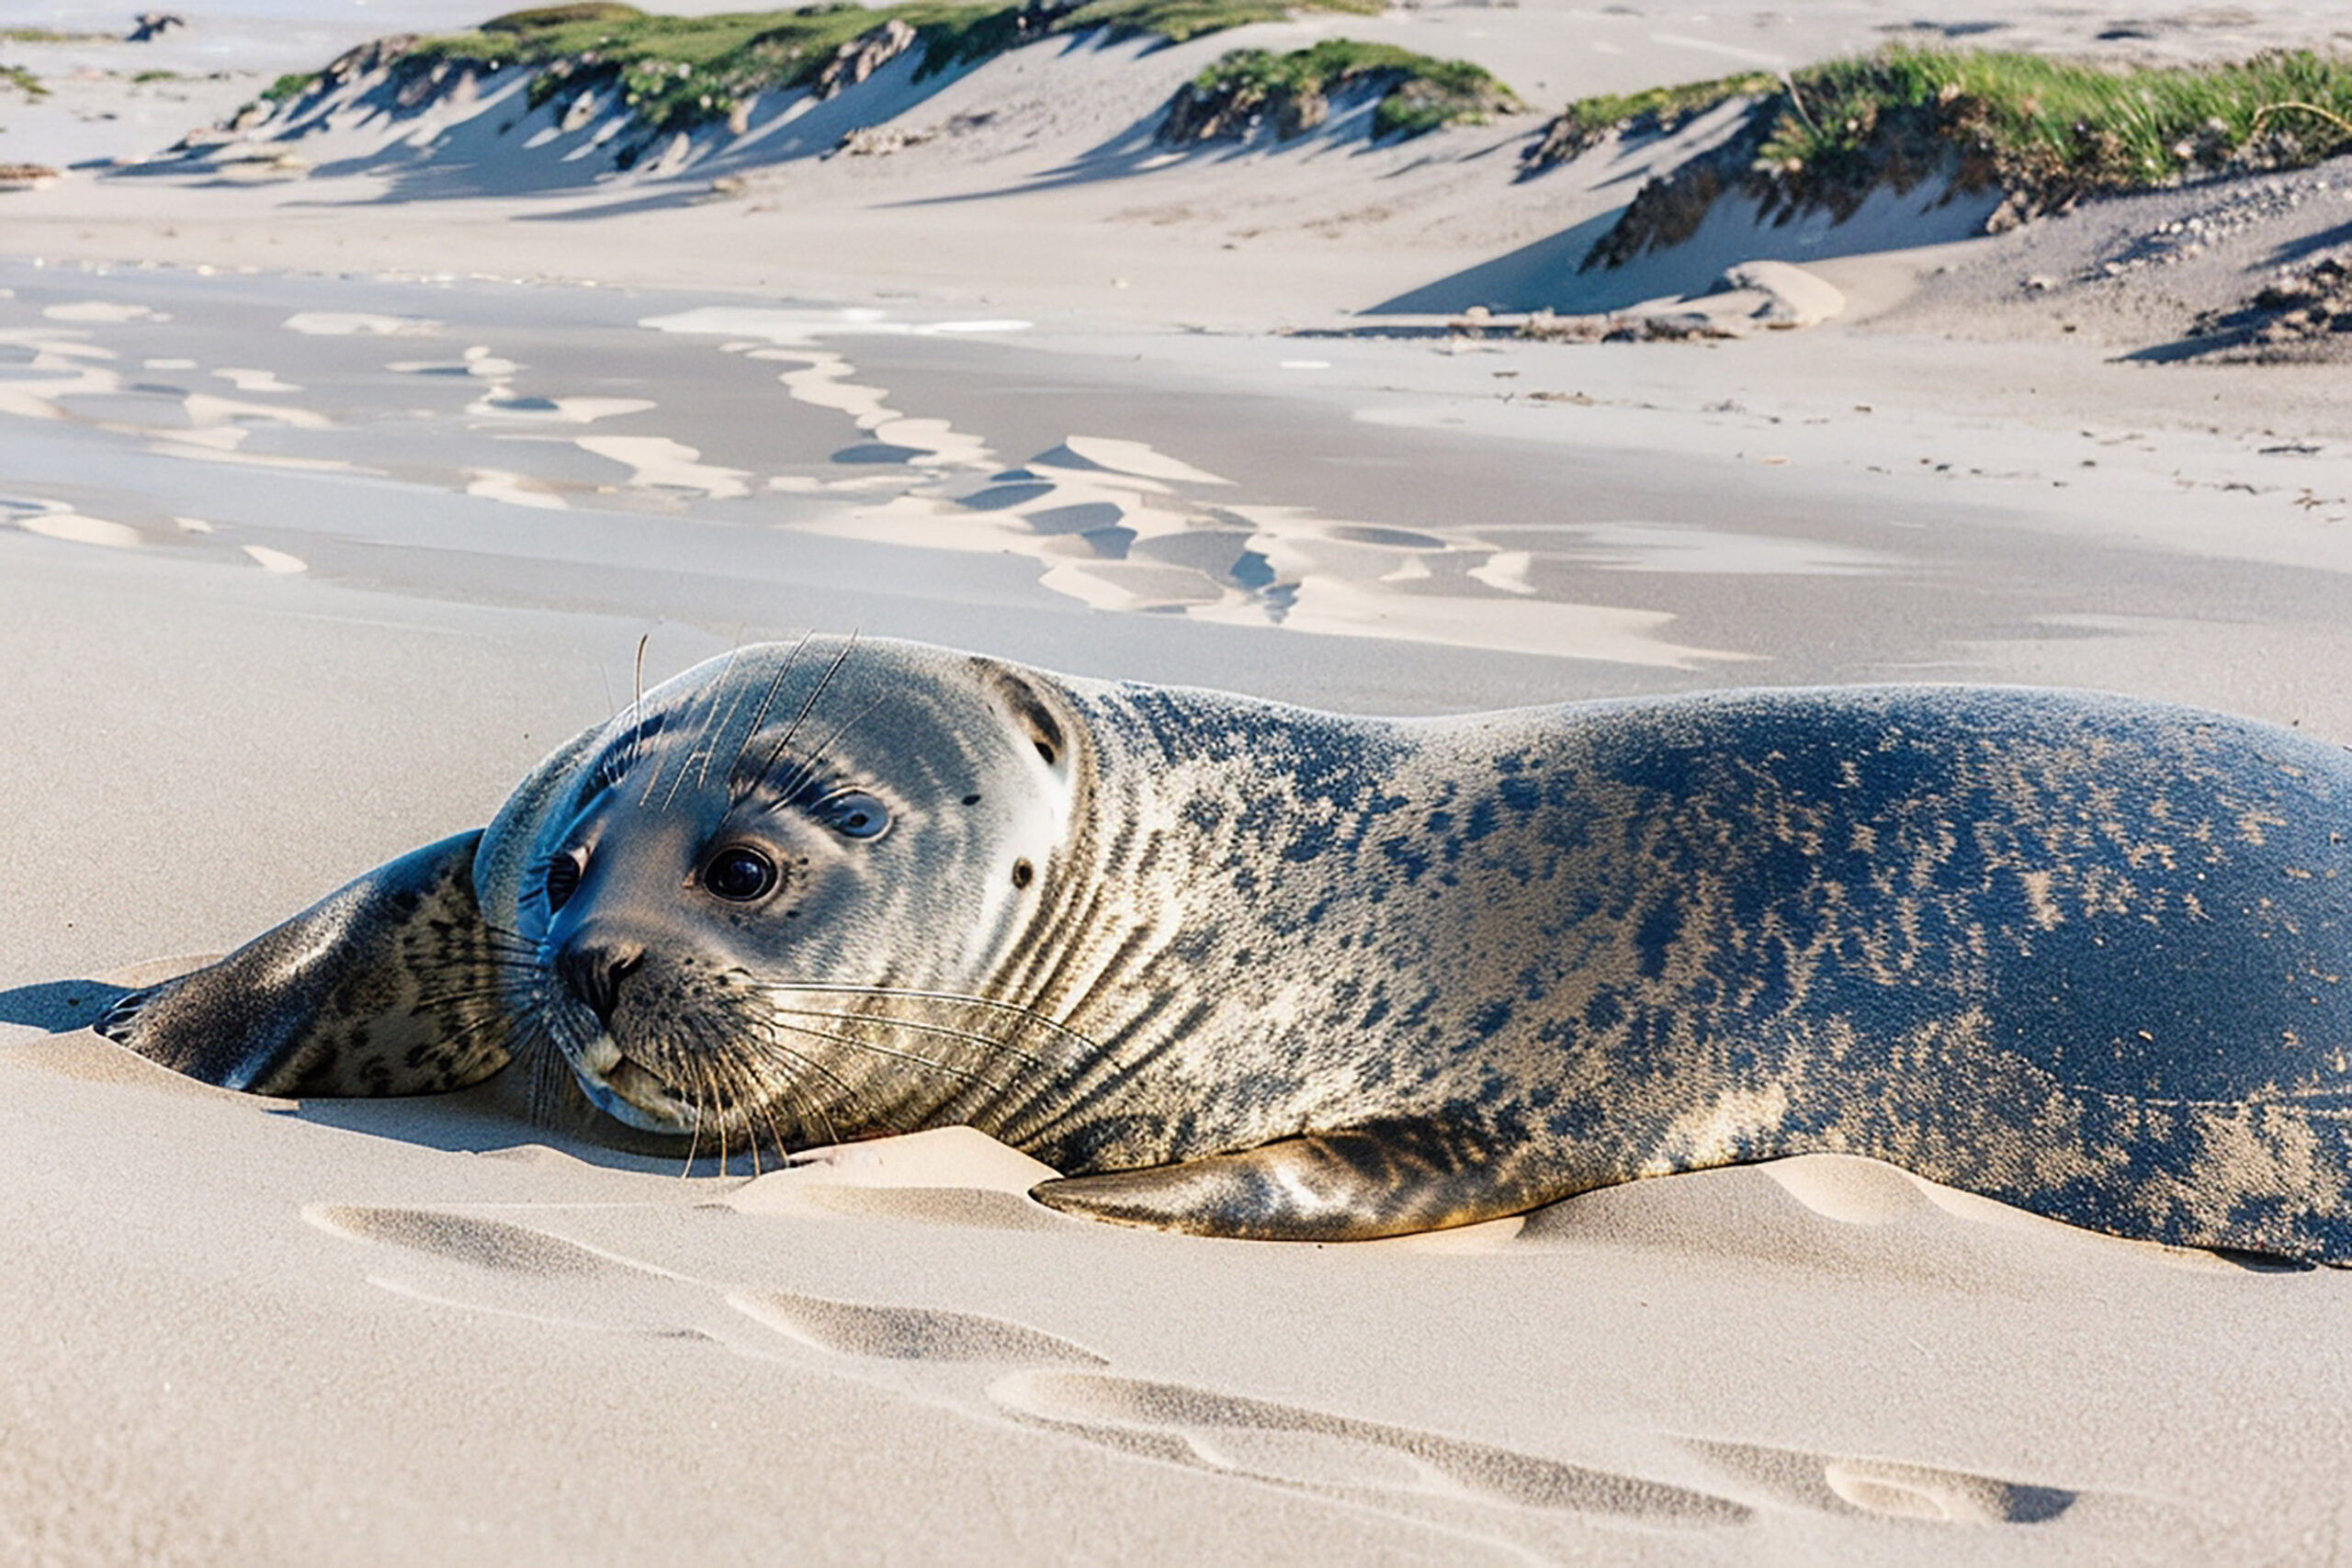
x=1120, y=525
x=642, y=421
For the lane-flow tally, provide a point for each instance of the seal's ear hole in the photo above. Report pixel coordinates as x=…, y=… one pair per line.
x=1029, y=710
x=1023, y=872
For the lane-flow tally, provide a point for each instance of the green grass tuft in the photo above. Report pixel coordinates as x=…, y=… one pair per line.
x=24, y=81
x=538, y=16
x=677, y=73
x=293, y=84
x=55, y=35
x=1655, y=111
x=2065, y=124
x=2045, y=133
x=1177, y=20
x=1250, y=87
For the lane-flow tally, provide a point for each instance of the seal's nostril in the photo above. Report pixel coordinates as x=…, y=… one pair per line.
x=592, y=971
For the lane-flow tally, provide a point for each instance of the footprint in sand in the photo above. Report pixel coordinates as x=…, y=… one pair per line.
x=1841, y=1484
x=488, y=1244
x=906, y=1334
x=540, y=1278
x=1478, y=1492
x=1287, y=1446
x=890, y=1332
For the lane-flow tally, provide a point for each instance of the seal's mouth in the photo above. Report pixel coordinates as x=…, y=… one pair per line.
x=631, y=1093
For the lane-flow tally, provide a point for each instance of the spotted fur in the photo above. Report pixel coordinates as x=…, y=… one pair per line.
x=388, y=985
x=1250, y=969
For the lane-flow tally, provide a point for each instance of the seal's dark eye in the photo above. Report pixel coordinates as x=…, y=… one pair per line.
x=563, y=879
x=741, y=873
x=854, y=814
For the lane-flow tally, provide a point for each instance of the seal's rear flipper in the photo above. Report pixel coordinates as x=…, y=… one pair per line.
x=388, y=985
x=1389, y=1179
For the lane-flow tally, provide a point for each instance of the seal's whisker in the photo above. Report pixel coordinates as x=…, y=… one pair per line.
x=706, y=729
x=549, y=1072
x=760, y=715
x=711, y=1107
x=775, y=1138
x=717, y=723
x=763, y=1041
x=490, y=990
x=807, y=705
x=970, y=1037
x=809, y=1113
x=490, y=1025
x=636, y=714
x=740, y=1070
x=767, y=1041
x=507, y=933
x=1031, y=1014
x=806, y=773
x=694, y=1145
x=733, y=1069
x=911, y=1057
x=721, y=1085
x=812, y=1110
x=767, y=1108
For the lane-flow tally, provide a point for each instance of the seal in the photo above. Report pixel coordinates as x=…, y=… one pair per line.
x=1251, y=970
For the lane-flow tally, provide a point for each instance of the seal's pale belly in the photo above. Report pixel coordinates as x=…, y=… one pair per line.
x=1255, y=970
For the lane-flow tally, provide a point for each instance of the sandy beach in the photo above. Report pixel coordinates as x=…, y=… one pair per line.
x=346, y=457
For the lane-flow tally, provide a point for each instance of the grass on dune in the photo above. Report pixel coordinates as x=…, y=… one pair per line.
x=1250, y=87
x=1654, y=111
x=2043, y=132
x=2066, y=124
x=1177, y=20
x=55, y=35
x=675, y=73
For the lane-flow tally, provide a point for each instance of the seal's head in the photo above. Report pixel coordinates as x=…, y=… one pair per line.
x=774, y=900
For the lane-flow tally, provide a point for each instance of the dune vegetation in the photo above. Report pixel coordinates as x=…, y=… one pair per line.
x=676, y=73
x=1293, y=92
x=2043, y=132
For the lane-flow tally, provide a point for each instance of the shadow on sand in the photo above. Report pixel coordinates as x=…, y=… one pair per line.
x=494, y=1115
x=60, y=1006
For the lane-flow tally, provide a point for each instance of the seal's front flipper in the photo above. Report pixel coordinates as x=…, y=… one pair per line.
x=388, y=985
x=1386, y=1179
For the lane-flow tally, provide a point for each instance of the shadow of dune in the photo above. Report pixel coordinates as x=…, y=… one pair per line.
x=1135, y=149
x=1541, y=276
x=1546, y=276
x=2186, y=348
x=692, y=195
x=498, y=145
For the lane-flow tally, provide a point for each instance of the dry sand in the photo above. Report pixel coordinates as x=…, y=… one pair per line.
x=328, y=504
